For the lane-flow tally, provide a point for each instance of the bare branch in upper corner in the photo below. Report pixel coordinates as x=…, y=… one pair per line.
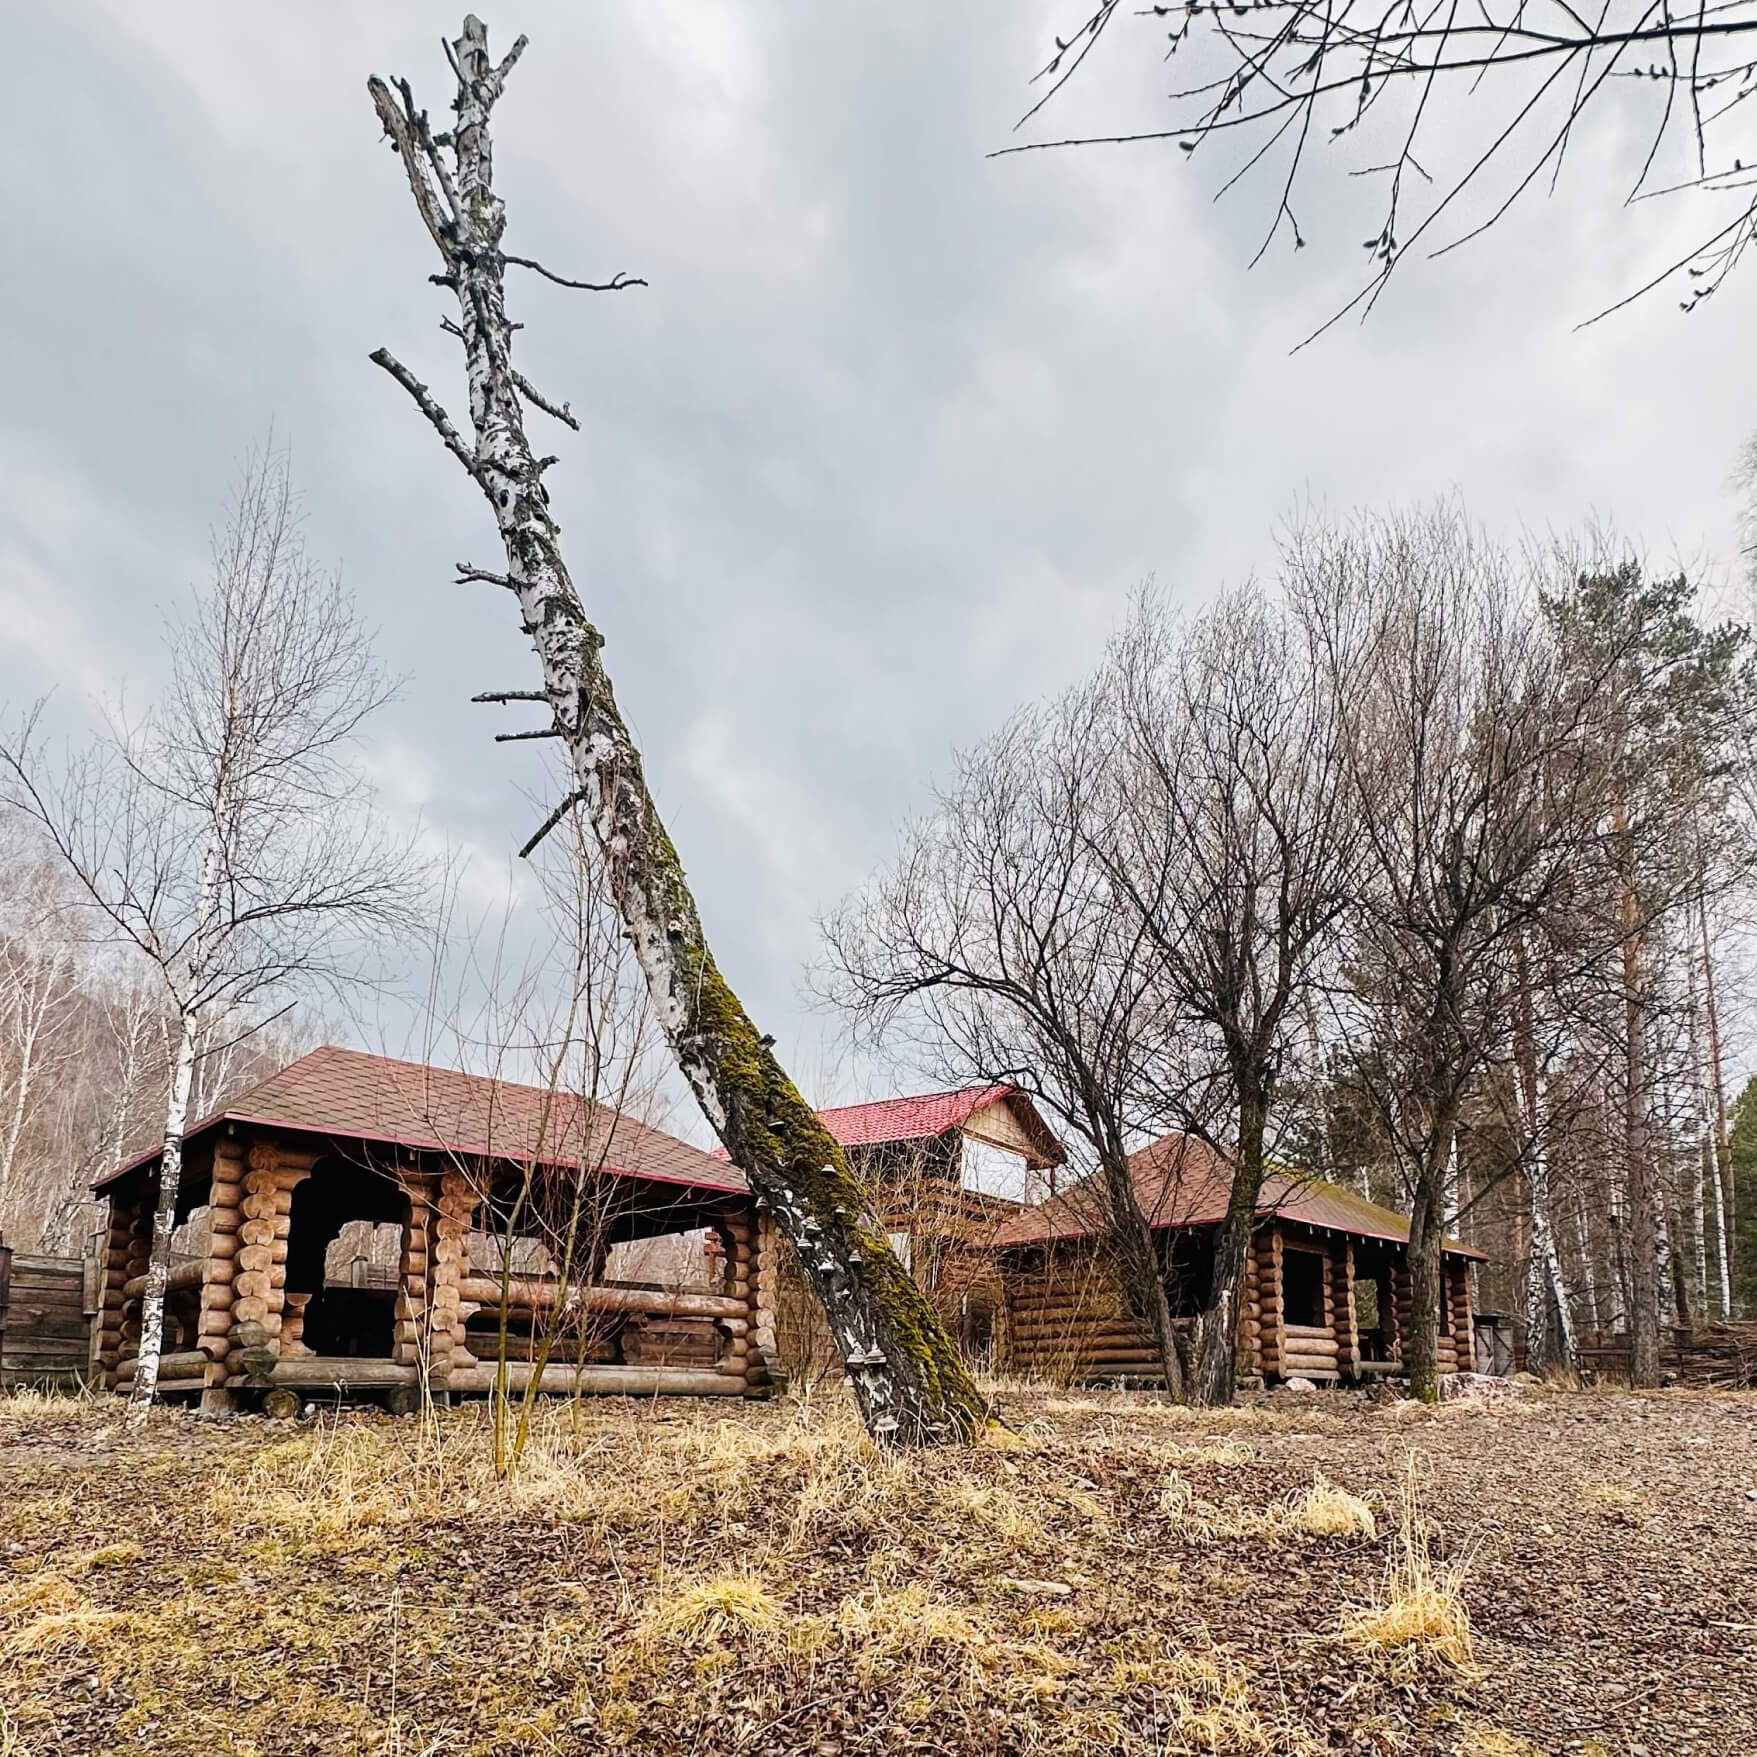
x=618, y=283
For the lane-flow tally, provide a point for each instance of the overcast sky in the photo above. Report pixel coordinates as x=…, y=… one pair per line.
x=876, y=457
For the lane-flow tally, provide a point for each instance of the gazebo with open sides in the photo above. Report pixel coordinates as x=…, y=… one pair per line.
x=449, y=1190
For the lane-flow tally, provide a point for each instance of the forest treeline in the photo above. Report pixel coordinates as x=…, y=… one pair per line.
x=1421, y=870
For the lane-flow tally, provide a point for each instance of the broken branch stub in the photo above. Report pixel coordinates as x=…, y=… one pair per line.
x=911, y=1384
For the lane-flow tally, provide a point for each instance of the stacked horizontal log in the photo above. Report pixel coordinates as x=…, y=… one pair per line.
x=260, y=1284
x=738, y=1357
x=1309, y=1351
x=112, y=1295
x=1069, y=1322
x=220, y=1270
x=1402, y=1306
x=1457, y=1279
x=136, y=1254
x=1250, y=1320
x=409, y=1349
x=764, y=1367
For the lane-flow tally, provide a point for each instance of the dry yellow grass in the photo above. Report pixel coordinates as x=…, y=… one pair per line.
x=1325, y=1510
x=708, y=1609
x=1419, y=1617
x=679, y=1577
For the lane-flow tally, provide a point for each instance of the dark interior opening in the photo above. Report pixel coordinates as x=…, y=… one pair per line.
x=1302, y=1288
x=1372, y=1307
x=352, y=1311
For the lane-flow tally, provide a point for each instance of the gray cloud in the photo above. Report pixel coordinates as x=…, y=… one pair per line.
x=876, y=457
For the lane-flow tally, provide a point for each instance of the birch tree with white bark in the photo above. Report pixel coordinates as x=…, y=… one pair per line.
x=227, y=837
x=911, y=1384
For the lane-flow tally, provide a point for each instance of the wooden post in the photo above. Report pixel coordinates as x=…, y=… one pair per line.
x=220, y=1271
x=1402, y=1303
x=136, y=1247
x=454, y=1212
x=764, y=1368
x=1343, y=1317
x=259, y=1286
x=118, y=1256
x=1250, y=1326
x=1270, y=1302
x=412, y=1308
x=1463, y=1330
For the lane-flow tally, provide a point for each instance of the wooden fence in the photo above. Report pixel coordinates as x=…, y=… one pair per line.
x=45, y=1330
x=1712, y=1354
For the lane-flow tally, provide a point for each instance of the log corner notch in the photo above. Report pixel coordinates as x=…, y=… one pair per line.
x=912, y=1385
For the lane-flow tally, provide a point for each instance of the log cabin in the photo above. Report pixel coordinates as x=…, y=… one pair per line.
x=943, y=1170
x=1326, y=1294
x=355, y=1226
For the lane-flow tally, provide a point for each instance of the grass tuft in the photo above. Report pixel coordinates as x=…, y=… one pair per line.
x=1419, y=1618
x=712, y=1608
x=1325, y=1510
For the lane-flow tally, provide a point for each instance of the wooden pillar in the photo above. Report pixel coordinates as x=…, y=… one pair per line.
x=136, y=1253
x=219, y=1273
x=1250, y=1321
x=1402, y=1304
x=259, y=1284
x=413, y=1281
x=1343, y=1320
x=764, y=1360
x=1273, y=1331
x=1457, y=1281
x=738, y=1231
x=454, y=1212
x=118, y=1248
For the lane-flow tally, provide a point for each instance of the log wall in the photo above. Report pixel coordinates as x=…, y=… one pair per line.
x=1068, y=1322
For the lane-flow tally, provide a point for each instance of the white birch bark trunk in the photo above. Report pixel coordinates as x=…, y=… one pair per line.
x=38, y=991
x=910, y=1382
x=158, y=1269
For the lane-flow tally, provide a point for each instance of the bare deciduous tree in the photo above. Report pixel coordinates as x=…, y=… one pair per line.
x=1232, y=846
x=1454, y=112
x=225, y=837
x=1468, y=750
x=1000, y=947
x=910, y=1382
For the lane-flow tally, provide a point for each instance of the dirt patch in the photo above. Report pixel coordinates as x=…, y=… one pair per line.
x=1125, y=1577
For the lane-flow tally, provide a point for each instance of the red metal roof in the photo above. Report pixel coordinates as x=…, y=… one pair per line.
x=909, y=1119
x=927, y=1115
x=1181, y=1182
x=358, y=1097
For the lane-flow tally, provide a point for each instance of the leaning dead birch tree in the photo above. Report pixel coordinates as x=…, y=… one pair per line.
x=911, y=1384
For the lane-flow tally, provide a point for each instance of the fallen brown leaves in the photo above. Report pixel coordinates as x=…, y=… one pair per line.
x=1118, y=1575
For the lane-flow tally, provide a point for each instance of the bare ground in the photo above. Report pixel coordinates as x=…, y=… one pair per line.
x=1124, y=1576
